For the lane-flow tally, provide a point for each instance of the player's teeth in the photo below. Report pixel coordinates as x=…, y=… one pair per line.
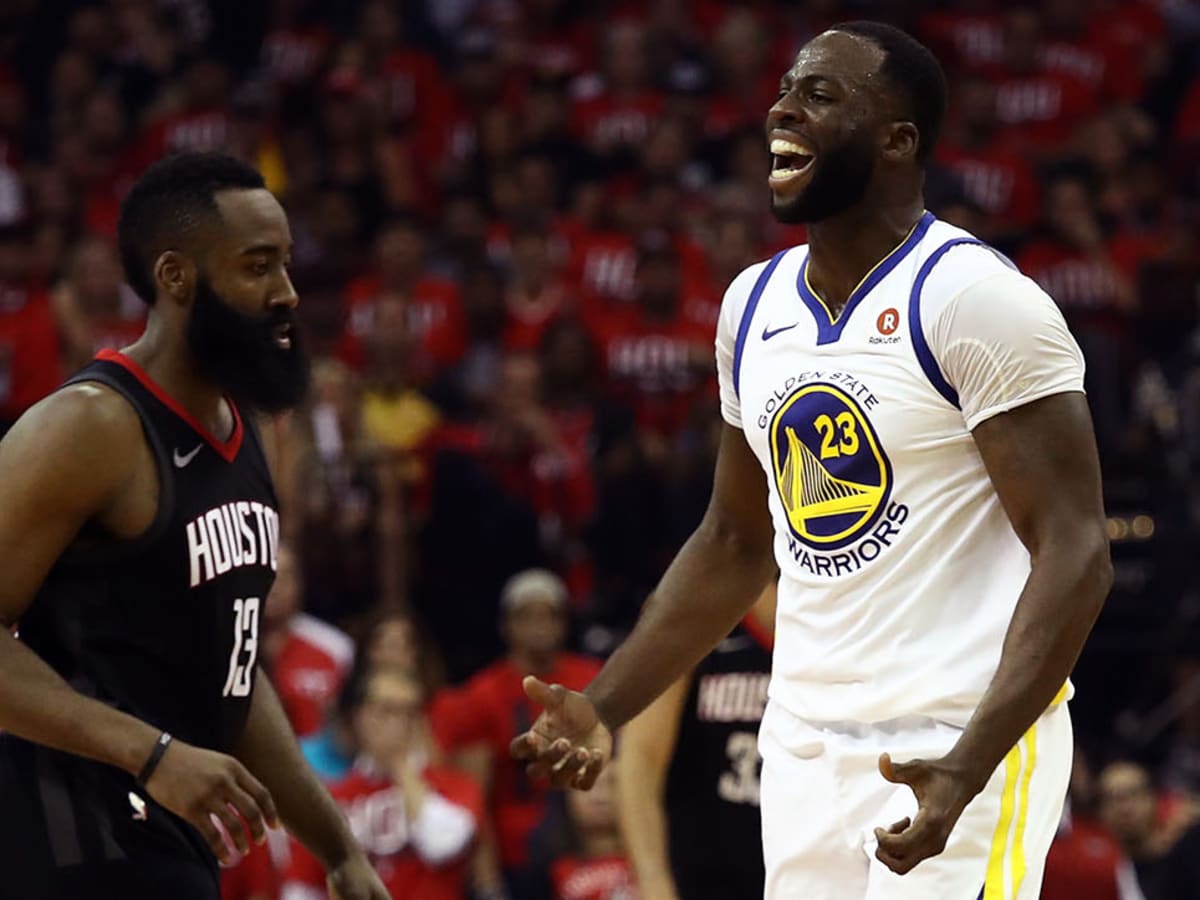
x=780, y=147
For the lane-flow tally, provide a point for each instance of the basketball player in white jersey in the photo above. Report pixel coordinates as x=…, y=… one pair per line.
x=932, y=501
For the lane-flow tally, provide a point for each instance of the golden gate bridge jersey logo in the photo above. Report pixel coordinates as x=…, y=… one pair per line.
x=833, y=477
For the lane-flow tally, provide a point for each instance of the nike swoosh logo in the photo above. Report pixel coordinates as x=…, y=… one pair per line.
x=182, y=460
x=768, y=333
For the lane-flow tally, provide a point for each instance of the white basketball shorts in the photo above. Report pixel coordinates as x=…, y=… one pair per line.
x=823, y=797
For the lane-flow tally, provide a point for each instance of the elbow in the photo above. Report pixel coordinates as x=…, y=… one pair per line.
x=730, y=539
x=1101, y=568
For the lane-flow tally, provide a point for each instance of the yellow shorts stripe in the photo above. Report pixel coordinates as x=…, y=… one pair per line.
x=994, y=886
x=1018, y=854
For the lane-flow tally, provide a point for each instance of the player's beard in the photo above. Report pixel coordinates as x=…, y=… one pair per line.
x=238, y=352
x=839, y=181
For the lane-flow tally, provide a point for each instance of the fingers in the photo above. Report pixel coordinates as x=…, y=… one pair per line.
x=902, y=773
x=905, y=844
x=589, y=772
x=206, y=824
x=233, y=827
x=550, y=696
x=527, y=746
x=248, y=809
x=261, y=798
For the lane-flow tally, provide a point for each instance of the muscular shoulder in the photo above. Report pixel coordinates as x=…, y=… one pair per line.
x=83, y=433
x=739, y=290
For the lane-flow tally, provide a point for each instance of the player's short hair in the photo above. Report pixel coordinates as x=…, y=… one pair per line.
x=914, y=73
x=165, y=206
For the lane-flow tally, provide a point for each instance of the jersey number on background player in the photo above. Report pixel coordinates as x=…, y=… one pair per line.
x=740, y=783
x=245, y=643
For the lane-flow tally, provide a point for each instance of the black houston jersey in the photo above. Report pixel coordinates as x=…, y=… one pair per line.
x=166, y=626
x=712, y=792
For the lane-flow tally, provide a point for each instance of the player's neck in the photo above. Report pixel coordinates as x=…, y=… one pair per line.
x=844, y=248
x=168, y=362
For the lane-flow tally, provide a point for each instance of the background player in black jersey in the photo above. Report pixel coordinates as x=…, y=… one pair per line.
x=138, y=534
x=689, y=773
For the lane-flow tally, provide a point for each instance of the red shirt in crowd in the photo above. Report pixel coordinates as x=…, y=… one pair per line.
x=658, y=366
x=1041, y=109
x=604, y=264
x=492, y=709
x=607, y=121
x=435, y=318
x=374, y=807
x=1079, y=282
x=292, y=56
x=30, y=367
x=999, y=180
x=604, y=878
x=973, y=39
x=309, y=671
x=253, y=877
x=1084, y=861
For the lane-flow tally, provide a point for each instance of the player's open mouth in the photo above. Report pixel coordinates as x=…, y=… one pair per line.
x=789, y=161
x=283, y=336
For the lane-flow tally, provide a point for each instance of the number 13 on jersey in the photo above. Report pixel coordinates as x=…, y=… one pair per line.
x=245, y=648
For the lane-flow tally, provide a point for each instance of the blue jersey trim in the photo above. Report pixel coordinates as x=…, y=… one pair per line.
x=747, y=315
x=929, y=365
x=829, y=330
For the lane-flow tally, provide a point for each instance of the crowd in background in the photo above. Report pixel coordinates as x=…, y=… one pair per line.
x=514, y=221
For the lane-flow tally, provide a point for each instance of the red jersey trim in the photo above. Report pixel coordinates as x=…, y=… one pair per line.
x=228, y=450
x=758, y=632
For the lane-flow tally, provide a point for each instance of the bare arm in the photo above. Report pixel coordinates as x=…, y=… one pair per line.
x=63, y=464
x=1042, y=460
x=709, y=586
x=647, y=747
x=70, y=460
x=268, y=748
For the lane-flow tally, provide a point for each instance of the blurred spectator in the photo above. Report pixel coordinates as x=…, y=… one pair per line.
x=656, y=357
x=1071, y=261
x=94, y=307
x=393, y=642
x=536, y=295
x=432, y=306
x=492, y=705
x=996, y=177
x=414, y=816
x=334, y=484
x=29, y=360
x=1165, y=851
x=1038, y=105
x=613, y=119
x=1084, y=859
x=306, y=658
x=593, y=865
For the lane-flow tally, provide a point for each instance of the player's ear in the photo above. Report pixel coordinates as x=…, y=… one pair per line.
x=900, y=142
x=174, y=275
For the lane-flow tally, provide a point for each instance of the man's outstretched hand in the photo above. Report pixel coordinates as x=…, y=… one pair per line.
x=568, y=743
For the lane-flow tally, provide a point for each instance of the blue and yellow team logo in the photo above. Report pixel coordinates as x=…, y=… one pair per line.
x=833, y=476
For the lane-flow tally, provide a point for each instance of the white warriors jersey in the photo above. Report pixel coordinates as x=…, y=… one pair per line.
x=899, y=568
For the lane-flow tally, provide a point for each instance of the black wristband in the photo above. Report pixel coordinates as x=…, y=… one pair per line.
x=156, y=755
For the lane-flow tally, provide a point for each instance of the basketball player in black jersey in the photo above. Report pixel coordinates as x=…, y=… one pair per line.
x=689, y=770
x=138, y=533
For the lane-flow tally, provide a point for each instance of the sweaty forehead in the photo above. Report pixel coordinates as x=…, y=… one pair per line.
x=849, y=58
x=251, y=218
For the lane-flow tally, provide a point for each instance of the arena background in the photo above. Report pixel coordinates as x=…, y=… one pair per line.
x=514, y=221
